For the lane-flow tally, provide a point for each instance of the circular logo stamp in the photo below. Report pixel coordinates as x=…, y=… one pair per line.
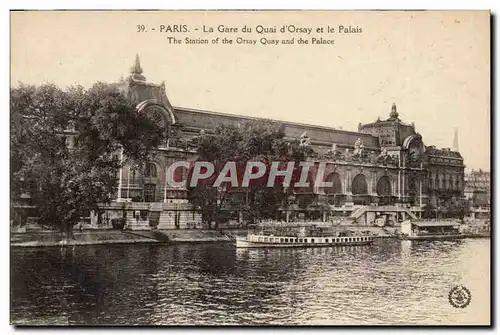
x=459, y=296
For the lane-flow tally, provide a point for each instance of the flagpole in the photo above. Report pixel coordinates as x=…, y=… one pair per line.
x=121, y=175
x=420, y=194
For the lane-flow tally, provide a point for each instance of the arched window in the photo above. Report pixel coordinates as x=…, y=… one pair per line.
x=336, y=188
x=151, y=170
x=359, y=185
x=384, y=186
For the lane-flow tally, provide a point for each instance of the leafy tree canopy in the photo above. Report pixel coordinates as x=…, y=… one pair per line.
x=248, y=142
x=66, y=145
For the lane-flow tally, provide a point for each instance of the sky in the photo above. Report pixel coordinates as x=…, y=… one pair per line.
x=434, y=65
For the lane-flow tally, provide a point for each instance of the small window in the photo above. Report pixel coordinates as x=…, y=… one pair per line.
x=312, y=240
x=300, y=240
x=286, y=240
x=266, y=239
x=295, y=240
x=149, y=192
x=281, y=240
x=326, y=240
x=151, y=170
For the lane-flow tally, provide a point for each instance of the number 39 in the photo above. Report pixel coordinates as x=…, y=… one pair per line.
x=141, y=28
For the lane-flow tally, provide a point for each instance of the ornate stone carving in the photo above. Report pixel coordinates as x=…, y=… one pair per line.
x=358, y=147
x=136, y=70
x=348, y=156
x=394, y=112
x=412, y=160
x=305, y=141
x=333, y=149
x=385, y=159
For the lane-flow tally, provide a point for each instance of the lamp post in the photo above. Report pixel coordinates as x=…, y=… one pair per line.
x=119, y=197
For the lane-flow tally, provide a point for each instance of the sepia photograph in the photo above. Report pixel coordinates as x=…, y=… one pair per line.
x=276, y=168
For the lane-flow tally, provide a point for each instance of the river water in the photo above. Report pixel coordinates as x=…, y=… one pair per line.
x=391, y=282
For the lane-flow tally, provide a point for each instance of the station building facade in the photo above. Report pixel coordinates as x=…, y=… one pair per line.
x=383, y=163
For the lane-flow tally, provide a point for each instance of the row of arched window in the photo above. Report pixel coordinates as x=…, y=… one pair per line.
x=441, y=181
x=150, y=171
x=359, y=185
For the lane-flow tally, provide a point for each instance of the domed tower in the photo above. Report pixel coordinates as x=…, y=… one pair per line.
x=391, y=132
x=394, y=115
x=136, y=70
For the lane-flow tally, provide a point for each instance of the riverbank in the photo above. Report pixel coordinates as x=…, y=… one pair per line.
x=107, y=236
x=93, y=237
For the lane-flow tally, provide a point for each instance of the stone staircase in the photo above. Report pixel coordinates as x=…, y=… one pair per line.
x=359, y=212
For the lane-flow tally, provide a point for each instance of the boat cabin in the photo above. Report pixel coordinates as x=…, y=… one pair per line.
x=430, y=227
x=307, y=240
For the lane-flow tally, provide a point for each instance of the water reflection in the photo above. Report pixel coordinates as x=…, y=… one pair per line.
x=389, y=282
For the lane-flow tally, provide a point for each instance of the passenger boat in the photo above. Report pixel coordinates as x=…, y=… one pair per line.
x=270, y=240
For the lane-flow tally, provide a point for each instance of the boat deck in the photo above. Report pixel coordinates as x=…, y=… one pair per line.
x=256, y=241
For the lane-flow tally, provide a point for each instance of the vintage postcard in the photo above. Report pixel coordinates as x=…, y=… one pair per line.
x=250, y=168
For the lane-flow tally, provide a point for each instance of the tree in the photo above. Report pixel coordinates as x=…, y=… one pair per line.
x=66, y=147
x=457, y=208
x=252, y=141
x=453, y=209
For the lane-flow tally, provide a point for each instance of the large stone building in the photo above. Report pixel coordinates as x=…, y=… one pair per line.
x=478, y=188
x=384, y=163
